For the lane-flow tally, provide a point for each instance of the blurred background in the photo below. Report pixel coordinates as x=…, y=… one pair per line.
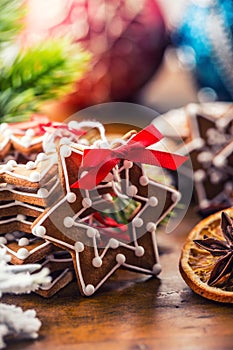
x=159, y=53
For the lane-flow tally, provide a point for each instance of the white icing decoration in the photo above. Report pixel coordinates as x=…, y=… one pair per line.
x=128, y=164
x=42, y=193
x=9, y=236
x=23, y=242
x=65, y=141
x=157, y=269
x=40, y=231
x=41, y=157
x=151, y=227
x=68, y=222
x=79, y=247
x=21, y=217
x=12, y=163
x=65, y=151
x=3, y=240
x=153, y=201
x=176, y=196
x=91, y=232
x=97, y=261
x=107, y=197
x=113, y=243
x=73, y=124
x=30, y=165
x=199, y=175
x=120, y=259
x=30, y=133
x=22, y=253
x=89, y=290
x=71, y=197
x=8, y=167
x=131, y=191
x=143, y=180
x=137, y=222
x=139, y=251
x=86, y=202
x=3, y=127
x=34, y=177
x=219, y=161
x=204, y=157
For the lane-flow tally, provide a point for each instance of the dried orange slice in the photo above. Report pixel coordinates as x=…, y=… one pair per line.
x=197, y=264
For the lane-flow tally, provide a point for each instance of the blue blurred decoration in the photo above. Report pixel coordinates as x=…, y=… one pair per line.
x=205, y=41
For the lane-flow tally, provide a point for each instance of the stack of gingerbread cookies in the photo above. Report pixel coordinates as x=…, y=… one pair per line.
x=74, y=200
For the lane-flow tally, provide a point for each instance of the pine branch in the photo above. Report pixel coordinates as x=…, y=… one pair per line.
x=46, y=71
x=11, y=13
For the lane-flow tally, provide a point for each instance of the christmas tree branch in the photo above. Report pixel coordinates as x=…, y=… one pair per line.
x=40, y=73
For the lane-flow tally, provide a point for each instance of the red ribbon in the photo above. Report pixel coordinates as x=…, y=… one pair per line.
x=99, y=162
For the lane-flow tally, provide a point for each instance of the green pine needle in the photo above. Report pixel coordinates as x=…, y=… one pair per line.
x=11, y=13
x=43, y=72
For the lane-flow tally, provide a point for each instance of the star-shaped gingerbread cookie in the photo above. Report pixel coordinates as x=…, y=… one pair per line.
x=210, y=136
x=84, y=221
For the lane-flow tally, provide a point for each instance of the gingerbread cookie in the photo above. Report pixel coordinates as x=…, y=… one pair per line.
x=81, y=221
x=61, y=269
x=24, y=247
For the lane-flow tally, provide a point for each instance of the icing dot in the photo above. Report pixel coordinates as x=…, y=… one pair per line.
x=199, y=143
x=84, y=142
x=71, y=197
x=21, y=217
x=79, y=247
x=204, y=157
x=3, y=126
x=113, y=243
x=83, y=173
x=107, y=197
x=204, y=204
x=176, y=196
x=151, y=227
x=219, y=161
x=35, y=176
x=22, y=253
x=3, y=240
x=30, y=133
x=199, y=175
x=41, y=156
x=97, y=261
x=43, y=192
x=39, y=231
x=65, y=151
x=143, y=180
x=12, y=162
x=10, y=236
x=139, y=251
x=7, y=133
x=26, y=141
x=23, y=241
x=89, y=290
x=86, y=202
x=120, y=258
x=65, y=141
x=30, y=165
x=8, y=167
x=153, y=201
x=73, y=124
x=109, y=177
x=68, y=222
x=156, y=269
x=128, y=164
x=91, y=232
x=137, y=222
x=131, y=191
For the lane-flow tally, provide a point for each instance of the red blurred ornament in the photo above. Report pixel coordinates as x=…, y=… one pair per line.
x=126, y=38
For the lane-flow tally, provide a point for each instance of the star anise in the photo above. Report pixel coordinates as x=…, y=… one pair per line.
x=223, y=269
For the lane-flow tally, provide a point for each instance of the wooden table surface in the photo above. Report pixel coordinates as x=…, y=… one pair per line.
x=133, y=312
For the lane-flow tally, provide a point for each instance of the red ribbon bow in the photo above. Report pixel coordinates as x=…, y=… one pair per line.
x=99, y=162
